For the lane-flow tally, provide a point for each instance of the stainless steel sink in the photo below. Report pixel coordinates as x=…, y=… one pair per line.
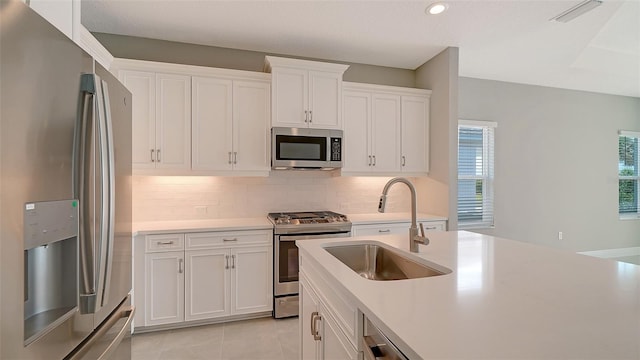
x=375, y=262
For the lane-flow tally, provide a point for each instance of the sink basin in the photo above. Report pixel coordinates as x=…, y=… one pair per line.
x=375, y=262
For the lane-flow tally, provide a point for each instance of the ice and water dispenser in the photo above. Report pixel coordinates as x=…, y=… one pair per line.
x=50, y=265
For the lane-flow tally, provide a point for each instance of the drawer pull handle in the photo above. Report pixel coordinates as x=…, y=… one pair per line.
x=384, y=231
x=165, y=242
x=229, y=240
x=431, y=227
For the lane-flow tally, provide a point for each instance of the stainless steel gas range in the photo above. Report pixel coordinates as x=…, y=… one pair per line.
x=287, y=228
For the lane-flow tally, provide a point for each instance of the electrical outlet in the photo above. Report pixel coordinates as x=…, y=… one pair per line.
x=201, y=210
x=559, y=235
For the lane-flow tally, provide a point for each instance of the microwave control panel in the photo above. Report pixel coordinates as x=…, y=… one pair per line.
x=336, y=149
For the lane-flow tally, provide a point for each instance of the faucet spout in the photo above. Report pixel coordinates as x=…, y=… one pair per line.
x=414, y=238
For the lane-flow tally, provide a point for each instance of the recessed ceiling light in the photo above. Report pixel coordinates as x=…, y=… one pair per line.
x=436, y=8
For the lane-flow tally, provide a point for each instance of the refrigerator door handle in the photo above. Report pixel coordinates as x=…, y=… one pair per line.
x=126, y=312
x=82, y=177
x=107, y=257
x=102, y=184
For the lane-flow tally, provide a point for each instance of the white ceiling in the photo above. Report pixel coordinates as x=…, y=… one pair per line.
x=507, y=40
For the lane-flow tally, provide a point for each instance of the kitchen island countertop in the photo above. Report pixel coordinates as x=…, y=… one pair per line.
x=504, y=300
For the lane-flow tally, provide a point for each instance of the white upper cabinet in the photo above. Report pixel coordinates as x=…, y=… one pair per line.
x=386, y=130
x=161, y=116
x=305, y=93
x=415, y=134
x=63, y=14
x=173, y=121
x=230, y=125
x=194, y=120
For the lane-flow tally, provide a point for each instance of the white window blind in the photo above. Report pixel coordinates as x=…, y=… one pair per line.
x=628, y=175
x=475, y=173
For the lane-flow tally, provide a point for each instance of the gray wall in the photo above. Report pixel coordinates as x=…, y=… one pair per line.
x=556, y=162
x=190, y=54
x=438, y=192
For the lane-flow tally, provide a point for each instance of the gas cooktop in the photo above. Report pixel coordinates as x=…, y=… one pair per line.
x=287, y=222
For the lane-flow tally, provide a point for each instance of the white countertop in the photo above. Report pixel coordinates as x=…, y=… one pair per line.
x=373, y=218
x=504, y=300
x=185, y=226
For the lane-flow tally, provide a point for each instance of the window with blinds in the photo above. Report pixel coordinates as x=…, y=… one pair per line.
x=475, y=173
x=628, y=175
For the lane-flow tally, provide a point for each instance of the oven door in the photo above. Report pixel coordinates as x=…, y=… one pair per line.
x=286, y=260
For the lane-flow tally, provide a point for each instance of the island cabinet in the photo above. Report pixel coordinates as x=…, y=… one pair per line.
x=386, y=130
x=202, y=277
x=230, y=124
x=396, y=228
x=305, y=93
x=328, y=320
x=161, y=119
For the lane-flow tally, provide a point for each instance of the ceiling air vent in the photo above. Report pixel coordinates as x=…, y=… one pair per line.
x=576, y=11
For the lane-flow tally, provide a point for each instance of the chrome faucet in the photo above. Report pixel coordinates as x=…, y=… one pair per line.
x=414, y=238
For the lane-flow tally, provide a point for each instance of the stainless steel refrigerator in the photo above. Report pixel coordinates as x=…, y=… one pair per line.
x=65, y=205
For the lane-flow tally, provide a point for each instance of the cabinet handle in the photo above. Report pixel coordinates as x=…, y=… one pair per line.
x=152, y=159
x=431, y=227
x=226, y=261
x=404, y=160
x=165, y=242
x=310, y=116
x=233, y=261
x=230, y=161
x=235, y=157
x=369, y=160
x=314, y=328
x=158, y=155
x=180, y=266
x=227, y=240
x=384, y=231
x=374, y=160
x=306, y=116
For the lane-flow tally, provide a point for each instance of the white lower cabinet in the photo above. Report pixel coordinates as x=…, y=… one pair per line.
x=208, y=278
x=200, y=276
x=164, y=288
x=396, y=228
x=322, y=337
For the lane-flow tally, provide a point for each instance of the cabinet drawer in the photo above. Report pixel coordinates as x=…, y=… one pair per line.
x=227, y=238
x=381, y=229
x=433, y=225
x=165, y=242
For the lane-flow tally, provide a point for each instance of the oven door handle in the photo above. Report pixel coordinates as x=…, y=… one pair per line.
x=289, y=238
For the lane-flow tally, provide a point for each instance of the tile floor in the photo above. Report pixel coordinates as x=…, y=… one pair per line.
x=256, y=339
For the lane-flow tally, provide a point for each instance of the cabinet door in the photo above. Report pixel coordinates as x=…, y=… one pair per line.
x=207, y=288
x=251, y=128
x=143, y=90
x=212, y=130
x=309, y=304
x=334, y=344
x=164, y=285
x=59, y=13
x=173, y=121
x=386, y=132
x=415, y=134
x=290, y=97
x=252, y=279
x=325, y=95
x=357, y=122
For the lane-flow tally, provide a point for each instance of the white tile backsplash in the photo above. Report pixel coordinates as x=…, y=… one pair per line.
x=160, y=198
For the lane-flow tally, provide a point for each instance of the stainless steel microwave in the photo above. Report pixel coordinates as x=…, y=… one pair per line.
x=305, y=149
